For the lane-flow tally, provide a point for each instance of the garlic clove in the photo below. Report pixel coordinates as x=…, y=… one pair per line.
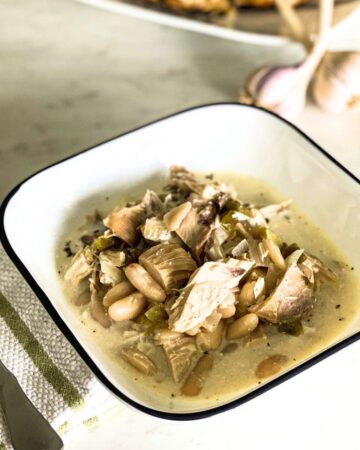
x=279, y=89
x=336, y=85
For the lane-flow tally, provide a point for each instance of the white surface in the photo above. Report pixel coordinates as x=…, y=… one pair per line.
x=75, y=76
x=317, y=410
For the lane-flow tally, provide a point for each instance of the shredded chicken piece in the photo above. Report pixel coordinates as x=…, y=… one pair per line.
x=125, y=223
x=193, y=232
x=205, y=292
x=182, y=179
x=81, y=266
x=272, y=210
x=320, y=268
x=181, y=353
x=289, y=300
x=169, y=264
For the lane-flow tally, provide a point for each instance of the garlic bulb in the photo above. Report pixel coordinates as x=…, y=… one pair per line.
x=283, y=89
x=336, y=86
x=279, y=89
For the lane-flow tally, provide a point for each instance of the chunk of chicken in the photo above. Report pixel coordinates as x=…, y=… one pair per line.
x=110, y=261
x=181, y=353
x=193, y=232
x=155, y=230
x=182, y=179
x=290, y=299
x=125, y=223
x=208, y=288
x=274, y=209
x=169, y=264
x=81, y=266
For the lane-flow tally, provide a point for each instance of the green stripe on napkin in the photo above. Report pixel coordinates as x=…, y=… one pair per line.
x=39, y=357
x=91, y=421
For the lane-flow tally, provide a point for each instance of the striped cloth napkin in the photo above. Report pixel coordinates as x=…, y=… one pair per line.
x=47, y=367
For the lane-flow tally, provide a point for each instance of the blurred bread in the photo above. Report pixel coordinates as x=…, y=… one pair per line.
x=219, y=6
x=264, y=3
x=199, y=5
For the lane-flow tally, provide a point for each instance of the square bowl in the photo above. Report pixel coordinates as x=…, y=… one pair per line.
x=222, y=137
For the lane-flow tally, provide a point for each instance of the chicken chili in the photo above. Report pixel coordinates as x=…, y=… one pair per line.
x=203, y=294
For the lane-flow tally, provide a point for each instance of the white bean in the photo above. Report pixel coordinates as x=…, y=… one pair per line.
x=139, y=360
x=128, y=308
x=144, y=283
x=246, y=297
x=118, y=292
x=227, y=312
x=243, y=326
x=270, y=366
x=99, y=313
x=275, y=254
x=207, y=340
x=196, y=379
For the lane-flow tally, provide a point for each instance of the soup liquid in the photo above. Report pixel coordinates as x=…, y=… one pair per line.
x=233, y=373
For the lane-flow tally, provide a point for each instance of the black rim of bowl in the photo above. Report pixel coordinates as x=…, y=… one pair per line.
x=46, y=302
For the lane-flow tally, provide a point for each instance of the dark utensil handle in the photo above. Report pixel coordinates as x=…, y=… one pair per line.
x=28, y=428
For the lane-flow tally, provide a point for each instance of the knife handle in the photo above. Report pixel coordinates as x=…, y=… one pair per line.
x=28, y=428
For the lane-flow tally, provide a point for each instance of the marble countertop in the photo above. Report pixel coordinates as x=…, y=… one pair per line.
x=72, y=76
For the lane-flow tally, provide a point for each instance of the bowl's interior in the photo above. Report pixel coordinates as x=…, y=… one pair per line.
x=222, y=138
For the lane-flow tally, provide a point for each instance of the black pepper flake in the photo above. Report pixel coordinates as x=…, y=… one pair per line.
x=268, y=344
x=352, y=268
x=106, y=198
x=209, y=176
x=259, y=382
x=267, y=220
x=67, y=249
x=173, y=395
x=341, y=318
x=87, y=239
x=337, y=306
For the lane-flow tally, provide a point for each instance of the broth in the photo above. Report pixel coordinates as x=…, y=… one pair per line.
x=233, y=373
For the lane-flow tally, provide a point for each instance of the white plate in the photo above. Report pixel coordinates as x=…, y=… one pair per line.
x=226, y=137
x=261, y=26
x=185, y=23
